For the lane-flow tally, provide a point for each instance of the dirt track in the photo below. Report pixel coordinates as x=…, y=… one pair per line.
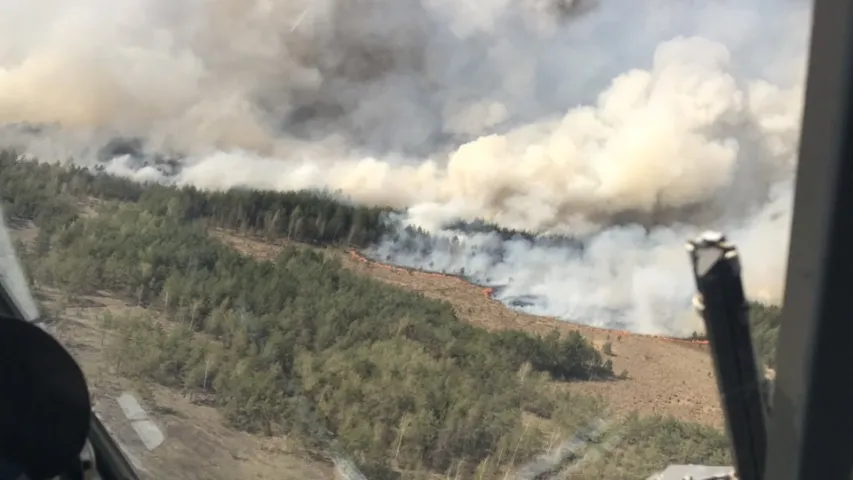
x=664, y=376
x=198, y=443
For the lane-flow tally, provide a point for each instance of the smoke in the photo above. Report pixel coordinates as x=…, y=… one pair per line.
x=629, y=125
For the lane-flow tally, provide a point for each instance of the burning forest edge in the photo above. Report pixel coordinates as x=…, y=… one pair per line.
x=489, y=291
x=36, y=190
x=310, y=217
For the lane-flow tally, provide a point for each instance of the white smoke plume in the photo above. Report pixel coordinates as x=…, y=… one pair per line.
x=630, y=124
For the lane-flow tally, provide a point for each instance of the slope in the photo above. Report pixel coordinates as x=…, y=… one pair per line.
x=151, y=246
x=193, y=431
x=663, y=377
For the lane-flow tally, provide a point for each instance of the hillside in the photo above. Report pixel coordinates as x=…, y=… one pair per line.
x=274, y=375
x=193, y=430
x=663, y=376
x=408, y=377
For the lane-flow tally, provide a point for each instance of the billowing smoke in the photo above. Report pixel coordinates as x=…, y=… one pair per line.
x=626, y=125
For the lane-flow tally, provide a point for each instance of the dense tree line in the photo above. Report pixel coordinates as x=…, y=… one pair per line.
x=304, y=216
x=301, y=345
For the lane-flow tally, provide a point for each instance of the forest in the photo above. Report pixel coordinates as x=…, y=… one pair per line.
x=303, y=347
x=309, y=217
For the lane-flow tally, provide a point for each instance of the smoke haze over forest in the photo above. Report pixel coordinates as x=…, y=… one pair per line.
x=628, y=125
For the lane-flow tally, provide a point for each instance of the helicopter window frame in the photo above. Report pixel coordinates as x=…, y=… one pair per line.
x=810, y=431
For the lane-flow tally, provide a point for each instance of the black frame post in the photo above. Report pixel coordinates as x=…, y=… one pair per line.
x=811, y=427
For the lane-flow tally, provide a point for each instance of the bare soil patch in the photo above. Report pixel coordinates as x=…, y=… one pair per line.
x=199, y=444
